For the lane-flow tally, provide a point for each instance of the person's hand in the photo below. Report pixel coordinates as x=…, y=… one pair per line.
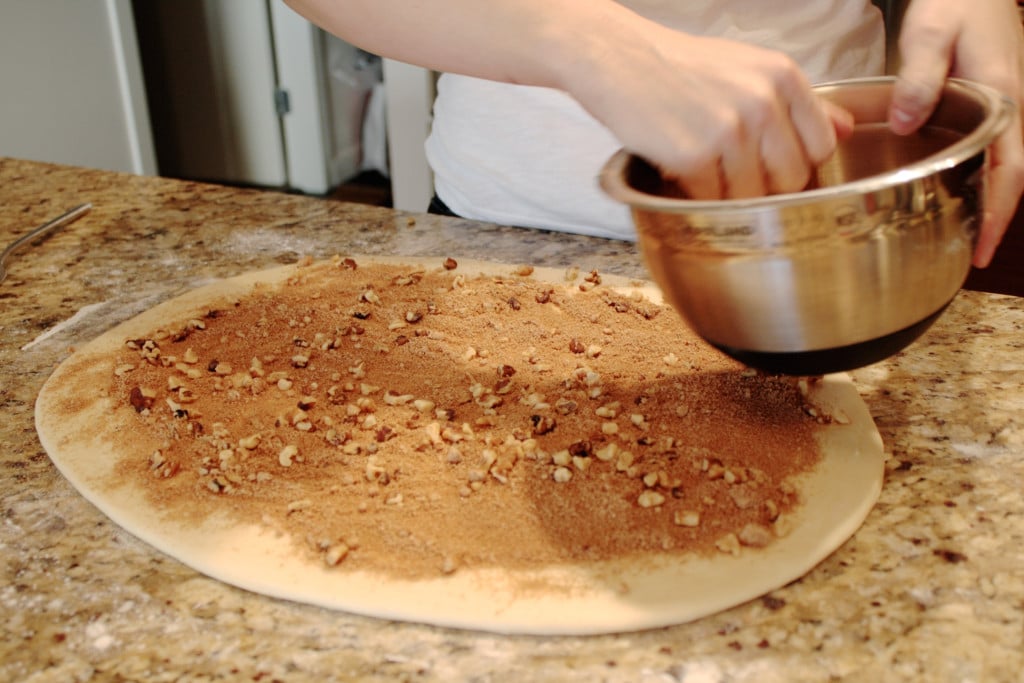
x=726, y=119
x=981, y=41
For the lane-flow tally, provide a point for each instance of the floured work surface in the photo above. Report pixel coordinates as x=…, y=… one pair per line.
x=463, y=444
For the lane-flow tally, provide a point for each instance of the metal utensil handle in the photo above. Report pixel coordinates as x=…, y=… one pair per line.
x=57, y=222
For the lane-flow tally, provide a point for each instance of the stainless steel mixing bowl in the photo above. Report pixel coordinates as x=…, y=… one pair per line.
x=844, y=273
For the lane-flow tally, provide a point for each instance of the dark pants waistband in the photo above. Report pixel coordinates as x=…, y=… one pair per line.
x=439, y=208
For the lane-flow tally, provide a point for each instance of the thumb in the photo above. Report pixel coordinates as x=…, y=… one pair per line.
x=926, y=63
x=842, y=120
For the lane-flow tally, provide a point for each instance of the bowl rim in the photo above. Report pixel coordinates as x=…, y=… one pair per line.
x=999, y=110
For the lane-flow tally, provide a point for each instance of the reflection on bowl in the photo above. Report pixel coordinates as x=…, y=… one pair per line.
x=844, y=273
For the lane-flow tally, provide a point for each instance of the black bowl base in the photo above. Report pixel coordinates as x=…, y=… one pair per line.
x=838, y=359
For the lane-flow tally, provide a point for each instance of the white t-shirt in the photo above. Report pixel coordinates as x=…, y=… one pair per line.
x=529, y=156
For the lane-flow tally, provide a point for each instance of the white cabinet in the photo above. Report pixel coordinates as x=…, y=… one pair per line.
x=71, y=90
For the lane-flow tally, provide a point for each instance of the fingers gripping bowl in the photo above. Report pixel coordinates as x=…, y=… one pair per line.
x=844, y=273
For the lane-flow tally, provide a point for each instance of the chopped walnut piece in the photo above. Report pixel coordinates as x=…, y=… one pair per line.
x=240, y=380
x=665, y=444
x=360, y=313
x=333, y=437
x=607, y=453
x=374, y=470
x=728, y=544
x=141, y=398
x=542, y=424
x=581, y=449
x=393, y=399
x=287, y=454
x=755, y=535
x=433, y=432
x=649, y=499
x=744, y=497
x=562, y=474
x=623, y=461
x=566, y=406
x=423, y=405
x=715, y=471
x=123, y=370
x=406, y=280
x=334, y=555
x=687, y=518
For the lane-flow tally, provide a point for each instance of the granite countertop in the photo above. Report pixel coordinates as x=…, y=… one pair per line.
x=931, y=587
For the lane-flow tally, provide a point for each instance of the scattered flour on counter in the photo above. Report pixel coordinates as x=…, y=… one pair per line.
x=269, y=241
x=79, y=314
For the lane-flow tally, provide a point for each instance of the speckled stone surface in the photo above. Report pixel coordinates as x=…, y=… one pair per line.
x=931, y=588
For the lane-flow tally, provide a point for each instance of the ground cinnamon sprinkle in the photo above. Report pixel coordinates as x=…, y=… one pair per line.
x=416, y=421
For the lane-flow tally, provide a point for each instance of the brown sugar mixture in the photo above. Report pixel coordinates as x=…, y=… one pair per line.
x=415, y=421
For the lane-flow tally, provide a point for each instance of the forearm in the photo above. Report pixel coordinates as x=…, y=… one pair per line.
x=706, y=110
x=549, y=43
